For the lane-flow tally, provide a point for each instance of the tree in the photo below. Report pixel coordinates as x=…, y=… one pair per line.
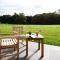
x=22, y=18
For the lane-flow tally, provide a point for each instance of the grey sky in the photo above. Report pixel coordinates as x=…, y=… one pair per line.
x=28, y=7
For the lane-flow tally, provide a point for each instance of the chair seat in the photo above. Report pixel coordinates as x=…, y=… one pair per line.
x=8, y=42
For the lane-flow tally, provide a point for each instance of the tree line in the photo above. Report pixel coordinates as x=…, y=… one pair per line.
x=45, y=18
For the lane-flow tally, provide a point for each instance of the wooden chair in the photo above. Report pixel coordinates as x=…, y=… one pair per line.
x=9, y=42
x=17, y=30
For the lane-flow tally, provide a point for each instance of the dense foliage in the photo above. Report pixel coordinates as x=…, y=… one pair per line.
x=45, y=18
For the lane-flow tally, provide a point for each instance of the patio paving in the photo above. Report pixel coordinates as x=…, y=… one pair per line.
x=50, y=52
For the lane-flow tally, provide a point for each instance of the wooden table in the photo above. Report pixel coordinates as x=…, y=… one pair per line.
x=40, y=39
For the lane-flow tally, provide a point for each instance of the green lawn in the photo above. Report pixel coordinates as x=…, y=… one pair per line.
x=50, y=32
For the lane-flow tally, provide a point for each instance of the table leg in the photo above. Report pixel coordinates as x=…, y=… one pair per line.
x=38, y=44
x=26, y=47
x=42, y=48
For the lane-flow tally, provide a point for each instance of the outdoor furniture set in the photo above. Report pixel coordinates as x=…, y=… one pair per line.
x=12, y=41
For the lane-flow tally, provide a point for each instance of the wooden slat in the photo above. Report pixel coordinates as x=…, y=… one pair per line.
x=6, y=42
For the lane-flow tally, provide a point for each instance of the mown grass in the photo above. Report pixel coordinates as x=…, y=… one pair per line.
x=51, y=33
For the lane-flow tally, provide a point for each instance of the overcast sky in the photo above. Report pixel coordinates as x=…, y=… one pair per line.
x=28, y=7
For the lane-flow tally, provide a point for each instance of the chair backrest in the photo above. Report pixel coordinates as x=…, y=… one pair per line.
x=17, y=29
x=8, y=40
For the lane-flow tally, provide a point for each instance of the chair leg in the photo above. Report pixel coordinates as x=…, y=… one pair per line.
x=17, y=52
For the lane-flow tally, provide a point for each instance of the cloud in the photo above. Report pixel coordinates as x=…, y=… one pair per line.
x=29, y=7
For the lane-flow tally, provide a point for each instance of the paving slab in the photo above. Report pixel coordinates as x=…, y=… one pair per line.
x=50, y=52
